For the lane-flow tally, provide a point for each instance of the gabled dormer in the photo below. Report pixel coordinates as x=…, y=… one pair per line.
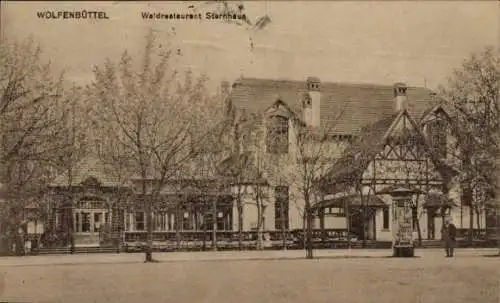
x=435, y=125
x=278, y=121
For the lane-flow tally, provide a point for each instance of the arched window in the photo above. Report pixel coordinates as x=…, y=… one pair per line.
x=277, y=135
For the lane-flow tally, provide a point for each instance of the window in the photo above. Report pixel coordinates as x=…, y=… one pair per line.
x=386, y=218
x=437, y=136
x=187, y=222
x=281, y=207
x=170, y=216
x=335, y=211
x=224, y=219
x=414, y=217
x=277, y=135
x=77, y=223
x=127, y=222
x=467, y=194
x=339, y=212
x=85, y=222
x=160, y=222
x=139, y=221
x=98, y=224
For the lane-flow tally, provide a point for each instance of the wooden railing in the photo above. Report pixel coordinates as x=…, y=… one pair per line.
x=477, y=234
x=292, y=235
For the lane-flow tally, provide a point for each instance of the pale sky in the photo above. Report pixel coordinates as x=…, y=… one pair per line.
x=351, y=41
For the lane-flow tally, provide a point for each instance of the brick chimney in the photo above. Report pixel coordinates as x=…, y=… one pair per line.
x=400, y=97
x=313, y=86
x=224, y=87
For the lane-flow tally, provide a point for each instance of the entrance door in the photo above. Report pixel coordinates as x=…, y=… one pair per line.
x=363, y=224
x=371, y=225
x=90, y=221
x=356, y=226
x=431, y=224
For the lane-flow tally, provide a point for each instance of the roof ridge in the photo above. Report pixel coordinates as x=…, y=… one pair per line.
x=269, y=81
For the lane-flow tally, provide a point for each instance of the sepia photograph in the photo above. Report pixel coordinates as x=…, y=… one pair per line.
x=250, y=151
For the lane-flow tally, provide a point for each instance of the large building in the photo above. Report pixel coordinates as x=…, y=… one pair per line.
x=358, y=141
x=364, y=155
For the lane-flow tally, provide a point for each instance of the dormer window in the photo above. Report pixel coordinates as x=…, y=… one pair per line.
x=437, y=134
x=277, y=135
x=399, y=91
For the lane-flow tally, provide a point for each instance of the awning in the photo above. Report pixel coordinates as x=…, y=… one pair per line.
x=353, y=200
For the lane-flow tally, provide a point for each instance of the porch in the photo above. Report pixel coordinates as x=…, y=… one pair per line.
x=361, y=219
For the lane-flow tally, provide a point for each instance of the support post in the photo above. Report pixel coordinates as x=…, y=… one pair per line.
x=214, y=224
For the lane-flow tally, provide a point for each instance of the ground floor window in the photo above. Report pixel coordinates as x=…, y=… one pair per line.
x=385, y=215
x=140, y=221
x=224, y=219
x=88, y=221
x=414, y=216
x=128, y=225
x=85, y=227
x=160, y=221
x=187, y=221
x=281, y=207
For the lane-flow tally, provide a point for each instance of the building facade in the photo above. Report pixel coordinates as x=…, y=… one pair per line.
x=378, y=137
x=341, y=146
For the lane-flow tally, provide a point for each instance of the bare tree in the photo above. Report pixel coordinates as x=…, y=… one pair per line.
x=160, y=121
x=74, y=121
x=472, y=94
x=315, y=151
x=32, y=125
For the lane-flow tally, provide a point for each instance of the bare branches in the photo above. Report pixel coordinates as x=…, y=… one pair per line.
x=39, y=134
x=160, y=121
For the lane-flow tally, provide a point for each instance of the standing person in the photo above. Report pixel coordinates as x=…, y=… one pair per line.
x=444, y=237
x=452, y=237
x=448, y=235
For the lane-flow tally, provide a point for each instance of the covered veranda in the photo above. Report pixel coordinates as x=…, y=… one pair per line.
x=352, y=214
x=192, y=215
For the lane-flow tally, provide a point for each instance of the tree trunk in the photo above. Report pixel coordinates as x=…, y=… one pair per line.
x=259, y=225
x=497, y=213
x=304, y=229
x=308, y=235
x=205, y=231
x=471, y=223
x=240, y=226
x=214, y=225
x=178, y=226
x=149, y=224
x=347, y=222
x=497, y=195
x=322, y=223
x=478, y=220
x=71, y=233
x=309, y=244
x=419, y=231
x=363, y=225
x=283, y=225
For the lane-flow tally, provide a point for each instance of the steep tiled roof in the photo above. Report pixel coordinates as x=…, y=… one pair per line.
x=358, y=155
x=240, y=167
x=345, y=107
x=349, y=168
x=90, y=167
